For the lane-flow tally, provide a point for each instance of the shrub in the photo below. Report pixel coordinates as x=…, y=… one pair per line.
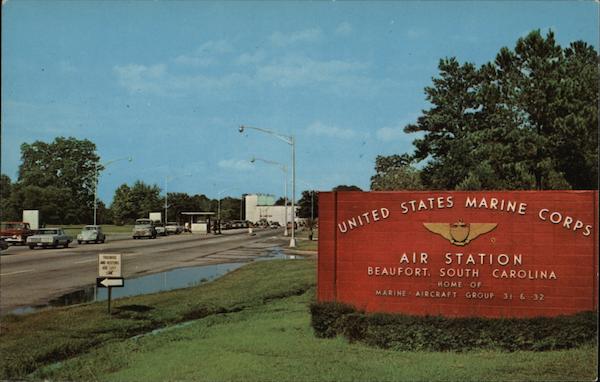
x=437, y=333
x=325, y=317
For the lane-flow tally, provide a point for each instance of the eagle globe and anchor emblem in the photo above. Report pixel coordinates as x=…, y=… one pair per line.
x=460, y=233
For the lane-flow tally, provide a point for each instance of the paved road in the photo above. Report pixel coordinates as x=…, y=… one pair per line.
x=33, y=277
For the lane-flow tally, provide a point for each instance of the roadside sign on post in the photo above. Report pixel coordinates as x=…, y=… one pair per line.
x=109, y=273
x=109, y=265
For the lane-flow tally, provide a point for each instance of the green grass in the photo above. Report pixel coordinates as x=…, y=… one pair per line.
x=274, y=342
x=307, y=245
x=31, y=341
x=302, y=242
x=251, y=325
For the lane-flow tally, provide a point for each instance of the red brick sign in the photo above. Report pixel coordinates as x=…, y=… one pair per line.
x=457, y=254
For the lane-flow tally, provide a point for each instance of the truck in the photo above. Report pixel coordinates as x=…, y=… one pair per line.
x=144, y=228
x=15, y=233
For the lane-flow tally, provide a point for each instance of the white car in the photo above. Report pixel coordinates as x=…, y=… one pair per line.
x=174, y=228
x=49, y=237
x=91, y=233
x=160, y=230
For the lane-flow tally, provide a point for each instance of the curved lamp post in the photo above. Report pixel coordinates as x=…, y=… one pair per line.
x=290, y=141
x=284, y=169
x=104, y=165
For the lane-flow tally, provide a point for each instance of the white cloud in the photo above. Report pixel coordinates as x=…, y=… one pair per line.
x=294, y=71
x=194, y=60
x=251, y=58
x=235, y=164
x=396, y=132
x=415, y=33
x=141, y=78
x=344, y=29
x=387, y=134
x=249, y=69
x=215, y=47
x=307, y=35
x=320, y=129
x=158, y=81
x=206, y=54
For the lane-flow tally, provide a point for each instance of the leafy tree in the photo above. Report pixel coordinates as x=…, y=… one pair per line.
x=55, y=204
x=230, y=208
x=8, y=210
x=67, y=164
x=203, y=203
x=178, y=203
x=395, y=172
x=527, y=120
x=130, y=203
x=343, y=187
x=308, y=205
x=281, y=202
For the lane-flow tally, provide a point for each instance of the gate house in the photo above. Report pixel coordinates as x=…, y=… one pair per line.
x=200, y=222
x=459, y=254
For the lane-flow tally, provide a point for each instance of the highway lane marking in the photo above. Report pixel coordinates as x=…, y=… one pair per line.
x=16, y=272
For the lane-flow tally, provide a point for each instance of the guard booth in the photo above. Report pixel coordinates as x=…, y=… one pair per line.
x=199, y=222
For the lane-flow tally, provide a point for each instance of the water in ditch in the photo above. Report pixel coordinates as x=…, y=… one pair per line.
x=158, y=282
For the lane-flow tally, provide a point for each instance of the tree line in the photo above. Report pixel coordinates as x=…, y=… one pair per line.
x=58, y=179
x=527, y=120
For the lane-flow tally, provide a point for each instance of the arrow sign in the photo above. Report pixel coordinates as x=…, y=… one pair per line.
x=104, y=282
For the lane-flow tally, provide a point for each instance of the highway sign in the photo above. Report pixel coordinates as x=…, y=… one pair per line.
x=105, y=282
x=109, y=265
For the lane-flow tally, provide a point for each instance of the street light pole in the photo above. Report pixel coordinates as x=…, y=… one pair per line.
x=96, y=181
x=290, y=141
x=293, y=239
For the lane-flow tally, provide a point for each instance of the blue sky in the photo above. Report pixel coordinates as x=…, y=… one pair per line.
x=168, y=83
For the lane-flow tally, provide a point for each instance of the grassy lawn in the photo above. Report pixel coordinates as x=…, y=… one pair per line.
x=304, y=244
x=274, y=342
x=246, y=326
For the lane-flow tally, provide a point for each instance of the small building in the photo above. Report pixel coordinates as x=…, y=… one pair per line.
x=199, y=222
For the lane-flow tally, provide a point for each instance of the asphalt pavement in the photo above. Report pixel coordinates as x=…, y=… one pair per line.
x=34, y=277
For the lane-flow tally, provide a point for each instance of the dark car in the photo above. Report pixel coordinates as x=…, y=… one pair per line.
x=3, y=245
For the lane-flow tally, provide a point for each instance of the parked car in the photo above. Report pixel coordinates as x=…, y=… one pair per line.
x=274, y=225
x=174, y=228
x=15, y=233
x=49, y=237
x=3, y=245
x=91, y=233
x=161, y=230
x=144, y=228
